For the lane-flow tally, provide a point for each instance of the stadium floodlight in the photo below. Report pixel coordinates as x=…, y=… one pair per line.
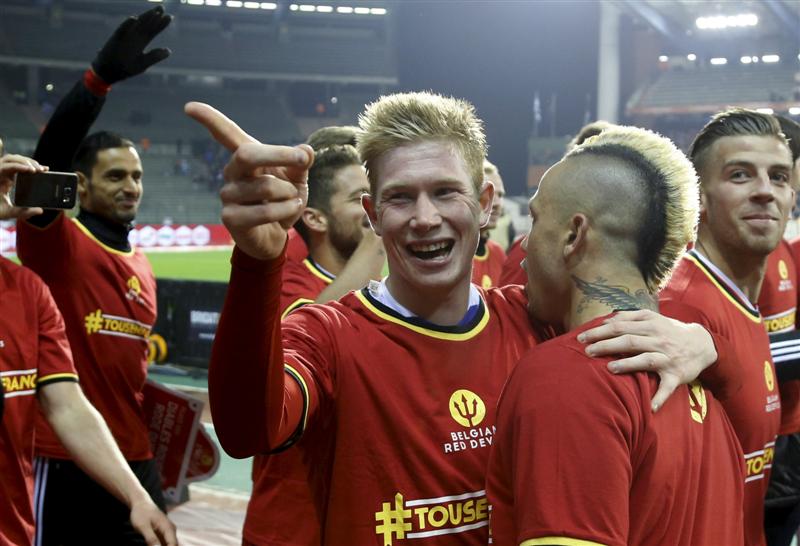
x=691, y=57
x=362, y=11
x=663, y=58
x=770, y=58
x=344, y=9
x=269, y=5
x=234, y=3
x=747, y=59
x=195, y=2
x=155, y=1
x=325, y=9
x=308, y=7
x=718, y=60
x=216, y=3
x=794, y=111
x=719, y=22
x=293, y=7
x=252, y=5
x=377, y=11
x=765, y=111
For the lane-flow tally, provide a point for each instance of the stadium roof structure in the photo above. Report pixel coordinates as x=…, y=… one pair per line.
x=679, y=21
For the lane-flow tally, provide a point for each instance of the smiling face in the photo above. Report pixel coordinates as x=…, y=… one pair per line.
x=114, y=190
x=746, y=193
x=428, y=213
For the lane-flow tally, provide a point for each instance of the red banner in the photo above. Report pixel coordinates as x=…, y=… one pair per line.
x=183, y=451
x=149, y=237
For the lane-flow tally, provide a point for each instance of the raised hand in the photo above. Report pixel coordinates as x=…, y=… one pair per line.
x=123, y=54
x=265, y=187
x=10, y=165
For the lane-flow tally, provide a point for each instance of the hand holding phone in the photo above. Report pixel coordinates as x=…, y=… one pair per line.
x=47, y=190
x=10, y=166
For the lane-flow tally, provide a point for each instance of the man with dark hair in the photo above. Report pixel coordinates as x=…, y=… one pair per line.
x=104, y=288
x=344, y=255
x=37, y=372
x=579, y=458
x=489, y=257
x=778, y=305
x=745, y=169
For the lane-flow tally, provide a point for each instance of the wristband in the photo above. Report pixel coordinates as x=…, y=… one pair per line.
x=95, y=84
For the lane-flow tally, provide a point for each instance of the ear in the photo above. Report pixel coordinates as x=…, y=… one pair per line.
x=703, y=202
x=485, y=198
x=576, y=236
x=372, y=214
x=83, y=186
x=315, y=220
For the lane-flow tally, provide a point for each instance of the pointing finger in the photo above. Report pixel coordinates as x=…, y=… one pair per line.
x=221, y=127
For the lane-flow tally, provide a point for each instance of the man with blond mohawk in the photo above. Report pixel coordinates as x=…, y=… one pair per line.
x=578, y=454
x=394, y=385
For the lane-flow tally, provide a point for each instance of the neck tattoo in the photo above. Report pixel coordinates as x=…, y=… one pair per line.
x=613, y=296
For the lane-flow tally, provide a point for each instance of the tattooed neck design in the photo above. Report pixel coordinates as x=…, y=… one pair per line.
x=613, y=296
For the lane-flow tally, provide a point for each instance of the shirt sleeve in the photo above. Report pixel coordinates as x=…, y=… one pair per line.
x=721, y=378
x=54, y=355
x=63, y=134
x=258, y=404
x=568, y=441
x=46, y=250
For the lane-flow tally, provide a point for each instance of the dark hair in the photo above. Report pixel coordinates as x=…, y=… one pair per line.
x=791, y=130
x=333, y=136
x=731, y=122
x=86, y=156
x=327, y=162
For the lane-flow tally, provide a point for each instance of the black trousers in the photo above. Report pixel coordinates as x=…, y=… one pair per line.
x=72, y=509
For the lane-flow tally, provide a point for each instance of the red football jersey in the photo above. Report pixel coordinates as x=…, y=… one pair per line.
x=754, y=410
x=408, y=409
x=33, y=352
x=512, y=270
x=271, y=519
x=580, y=458
x=778, y=305
x=302, y=283
x=487, y=265
x=296, y=249
x=108, y=300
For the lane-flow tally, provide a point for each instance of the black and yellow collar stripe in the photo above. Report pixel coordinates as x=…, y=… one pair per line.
x=317, y=271
x=560, y=541
x=421, y=326
x=723, y=285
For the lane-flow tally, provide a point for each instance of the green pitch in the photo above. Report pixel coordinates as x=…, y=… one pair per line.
x=211, y=265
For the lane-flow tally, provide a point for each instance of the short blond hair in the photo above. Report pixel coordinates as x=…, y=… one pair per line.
x=407, y=118
x=489, y=167
x=672, y=206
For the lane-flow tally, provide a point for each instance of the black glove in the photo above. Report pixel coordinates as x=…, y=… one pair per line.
x=123, y=54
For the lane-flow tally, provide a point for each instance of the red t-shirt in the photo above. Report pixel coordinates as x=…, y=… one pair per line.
x=108, y=300
x=283, y=505
x=579, y=457
x=754, y=410
x=296, y=249
x=512, y=270
x=778, y=305
x=487, y=265
x=33, y=352
x=406, y=409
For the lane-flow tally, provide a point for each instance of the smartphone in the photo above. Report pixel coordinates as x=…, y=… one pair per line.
x=48, y=190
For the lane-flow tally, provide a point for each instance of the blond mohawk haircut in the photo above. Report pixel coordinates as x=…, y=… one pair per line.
x=672, y=209
x=408, y=118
